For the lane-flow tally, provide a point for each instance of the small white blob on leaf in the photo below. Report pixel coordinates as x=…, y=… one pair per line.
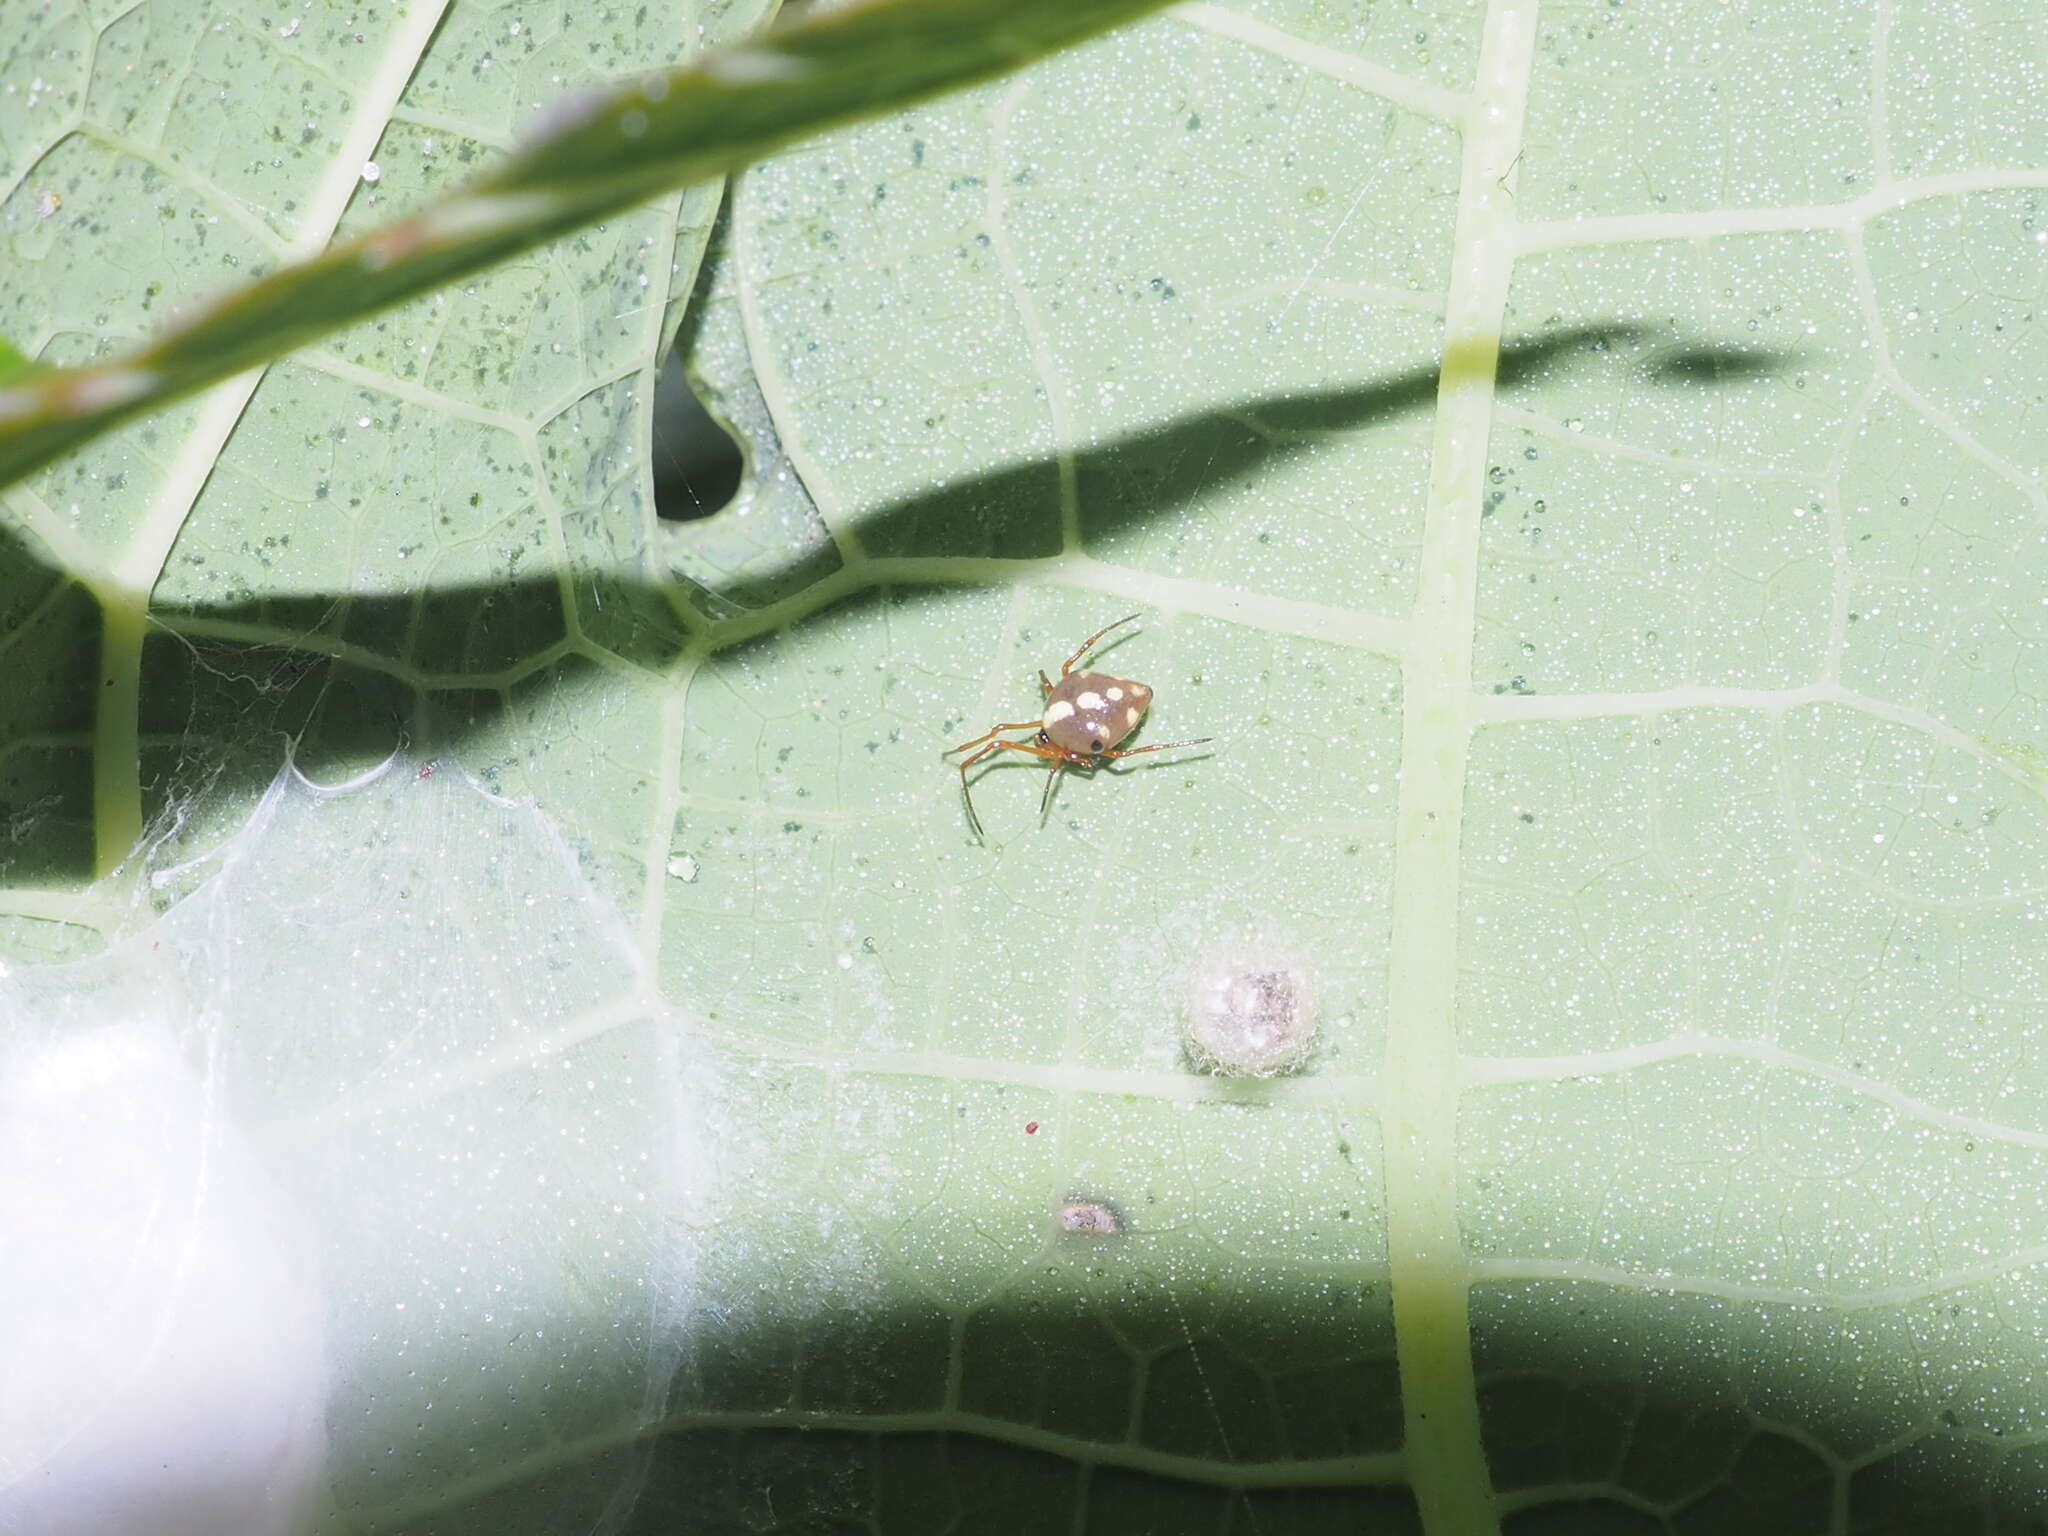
x=1249, y=1013
x=1090, y=1218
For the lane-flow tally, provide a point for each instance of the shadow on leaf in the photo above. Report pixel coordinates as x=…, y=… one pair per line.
x=345, y=680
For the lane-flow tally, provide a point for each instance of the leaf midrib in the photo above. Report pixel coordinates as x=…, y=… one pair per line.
x=1428, y=1272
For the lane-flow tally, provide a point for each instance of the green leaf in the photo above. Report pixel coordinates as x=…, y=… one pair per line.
x=598, y=154
x=560, y=1039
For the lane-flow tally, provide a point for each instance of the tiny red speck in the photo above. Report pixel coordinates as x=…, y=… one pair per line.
x=1030, y=1127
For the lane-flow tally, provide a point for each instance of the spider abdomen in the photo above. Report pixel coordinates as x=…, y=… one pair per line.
x=1090, y=712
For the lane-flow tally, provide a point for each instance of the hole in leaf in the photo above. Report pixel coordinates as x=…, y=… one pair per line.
x=696, y=461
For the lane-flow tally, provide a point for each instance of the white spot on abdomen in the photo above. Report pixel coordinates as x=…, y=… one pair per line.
x=1089, y=702
x=1058, y=710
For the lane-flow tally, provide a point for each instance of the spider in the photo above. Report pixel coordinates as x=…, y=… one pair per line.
x=1086, y=715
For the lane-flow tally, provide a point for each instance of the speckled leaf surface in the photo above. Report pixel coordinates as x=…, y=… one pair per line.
x=592, y=154
x=1583, y=466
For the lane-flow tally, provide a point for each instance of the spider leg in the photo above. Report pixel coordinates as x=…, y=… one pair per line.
x=1164, y=746
x=1045, y=683
x=1020, y=725
x=1089, y=643
x=1032, y=747
x=1052, y=777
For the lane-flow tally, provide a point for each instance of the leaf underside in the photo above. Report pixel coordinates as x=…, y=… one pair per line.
x=1581, y=464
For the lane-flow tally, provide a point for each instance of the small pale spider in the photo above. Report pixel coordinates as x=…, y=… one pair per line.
x=1086, y=715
